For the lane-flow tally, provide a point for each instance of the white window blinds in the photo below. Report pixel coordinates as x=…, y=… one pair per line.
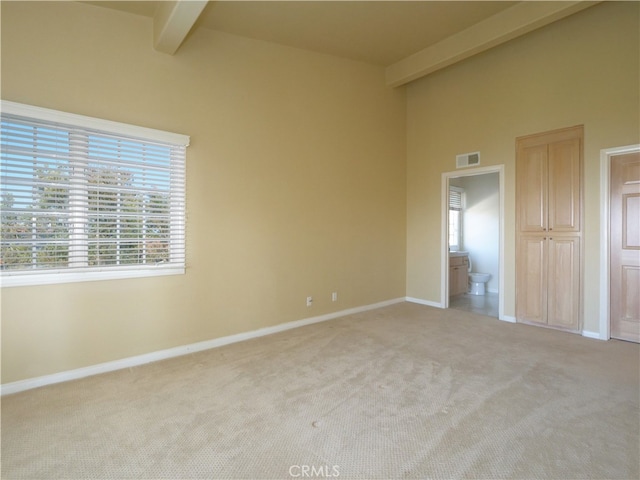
x=456, y=205
x=79, y=199
x=455, y=198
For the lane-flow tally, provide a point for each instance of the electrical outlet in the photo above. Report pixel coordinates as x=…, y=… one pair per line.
x=309, y=301
x=334, y=297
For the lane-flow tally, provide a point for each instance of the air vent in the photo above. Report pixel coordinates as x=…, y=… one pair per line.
x=468, y=160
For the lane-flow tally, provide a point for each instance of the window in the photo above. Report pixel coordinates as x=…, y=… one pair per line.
x=456, y=206
x=88, y=199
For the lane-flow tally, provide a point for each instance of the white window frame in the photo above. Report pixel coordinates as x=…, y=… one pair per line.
x=14, y=278
x=460, y=211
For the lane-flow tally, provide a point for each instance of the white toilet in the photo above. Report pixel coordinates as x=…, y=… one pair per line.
x=477, y=281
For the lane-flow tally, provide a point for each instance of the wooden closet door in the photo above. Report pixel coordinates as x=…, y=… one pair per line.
x=563, y=307
x=548, y=223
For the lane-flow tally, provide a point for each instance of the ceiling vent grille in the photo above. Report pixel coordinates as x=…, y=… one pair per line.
x=468, y=160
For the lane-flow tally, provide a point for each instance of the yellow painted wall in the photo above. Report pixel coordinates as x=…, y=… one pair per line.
x=295, y=186
x=301, y=180
x=581, y=70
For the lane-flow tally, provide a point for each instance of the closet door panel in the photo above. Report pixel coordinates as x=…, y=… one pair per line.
x=564, y=283
x=532, y=188
x=564, y=186
x=531, y=287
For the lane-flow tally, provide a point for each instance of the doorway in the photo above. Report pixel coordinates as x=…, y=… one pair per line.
x=624, y=256
x=485, y=187
x=620, y=254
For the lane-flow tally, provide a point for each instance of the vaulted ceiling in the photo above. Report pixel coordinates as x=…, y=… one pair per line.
x=409, y=38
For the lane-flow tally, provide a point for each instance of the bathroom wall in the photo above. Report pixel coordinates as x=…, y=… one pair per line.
x=481, y=224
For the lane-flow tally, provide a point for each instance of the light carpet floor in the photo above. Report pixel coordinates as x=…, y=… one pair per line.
x=405, y=391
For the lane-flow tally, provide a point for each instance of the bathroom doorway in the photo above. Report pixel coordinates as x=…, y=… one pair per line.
x=473, y=233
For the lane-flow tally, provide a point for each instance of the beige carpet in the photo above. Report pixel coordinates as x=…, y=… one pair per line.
x=405, y=391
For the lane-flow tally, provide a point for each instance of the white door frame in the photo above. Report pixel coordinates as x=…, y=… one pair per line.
x=444, y=262
x=605, y=233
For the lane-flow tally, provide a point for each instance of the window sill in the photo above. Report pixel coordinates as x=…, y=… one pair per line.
x=56, y=277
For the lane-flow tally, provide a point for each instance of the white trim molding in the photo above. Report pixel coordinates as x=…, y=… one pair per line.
x=55, y=116
x=504, y=318
x=424, y=302
x=22, y=385
x=595, y=335
x=605, y=172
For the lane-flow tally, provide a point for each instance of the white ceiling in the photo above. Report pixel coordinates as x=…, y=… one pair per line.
x=380, y=32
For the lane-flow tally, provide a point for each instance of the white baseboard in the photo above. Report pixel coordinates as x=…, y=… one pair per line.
x=423, y=302
x=504, y=318
x=596, y=335
x=22, y=385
